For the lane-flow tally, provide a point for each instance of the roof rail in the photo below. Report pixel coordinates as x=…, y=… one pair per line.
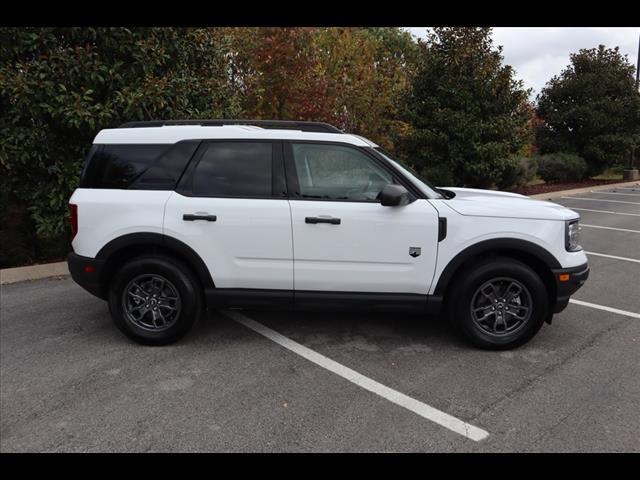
x=274, y=124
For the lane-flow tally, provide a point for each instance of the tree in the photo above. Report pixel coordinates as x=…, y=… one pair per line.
x=60, y=86
x=467, y=113
x=276, y=71
x=353, y=78
x=591, y=109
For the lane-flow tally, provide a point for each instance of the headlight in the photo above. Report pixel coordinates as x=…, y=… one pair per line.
x=572, y=235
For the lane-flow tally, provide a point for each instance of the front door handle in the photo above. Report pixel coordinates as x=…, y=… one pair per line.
x=190, y=217
x=332, y=221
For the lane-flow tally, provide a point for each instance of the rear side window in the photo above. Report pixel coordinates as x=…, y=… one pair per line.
x=118, y=166
x=234, y=169
x=167, y=168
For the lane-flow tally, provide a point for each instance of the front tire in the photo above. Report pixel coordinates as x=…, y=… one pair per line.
x=155, y=300
x=499, y=303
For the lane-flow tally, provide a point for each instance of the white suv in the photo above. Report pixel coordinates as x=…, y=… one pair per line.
x=174, y=216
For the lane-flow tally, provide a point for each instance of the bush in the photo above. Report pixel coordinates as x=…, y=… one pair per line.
x=518, y=171
x=60, y=86
x=561, y=167
x=438, y=175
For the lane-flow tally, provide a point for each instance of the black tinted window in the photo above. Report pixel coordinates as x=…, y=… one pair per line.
x=234, y=169
x=118, y=166
x=167, y=168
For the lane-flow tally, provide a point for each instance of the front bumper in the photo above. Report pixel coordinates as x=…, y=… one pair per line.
x=87, y=272
x=568, y=281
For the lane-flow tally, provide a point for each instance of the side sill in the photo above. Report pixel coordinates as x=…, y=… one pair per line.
x=248, y=298
x=317, y=300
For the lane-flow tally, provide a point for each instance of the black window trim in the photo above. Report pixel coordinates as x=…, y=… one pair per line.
x=292, y=176
x=278, y=183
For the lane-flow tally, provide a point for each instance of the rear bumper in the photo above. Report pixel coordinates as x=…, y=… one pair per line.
x=565, y=288
x=87, y=272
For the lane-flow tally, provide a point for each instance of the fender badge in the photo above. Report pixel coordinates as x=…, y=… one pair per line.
x=415, y=251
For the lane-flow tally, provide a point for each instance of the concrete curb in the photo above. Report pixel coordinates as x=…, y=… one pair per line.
x=33, y=272
x=597, y=188
x=36, y=272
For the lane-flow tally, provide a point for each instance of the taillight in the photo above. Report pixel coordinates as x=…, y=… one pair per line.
x=73, y=219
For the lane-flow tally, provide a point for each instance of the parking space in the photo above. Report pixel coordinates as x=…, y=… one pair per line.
x=610, y=242
x=71, y=382
x=585, y=201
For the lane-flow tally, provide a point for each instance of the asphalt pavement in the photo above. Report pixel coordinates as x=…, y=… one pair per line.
x=338, y=382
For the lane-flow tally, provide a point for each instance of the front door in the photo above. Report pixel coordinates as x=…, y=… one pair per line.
x=344, y=239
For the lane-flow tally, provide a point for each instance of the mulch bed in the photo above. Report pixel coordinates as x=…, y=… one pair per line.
x=556, y=187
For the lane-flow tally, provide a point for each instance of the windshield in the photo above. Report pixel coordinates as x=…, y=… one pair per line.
x=417, y=179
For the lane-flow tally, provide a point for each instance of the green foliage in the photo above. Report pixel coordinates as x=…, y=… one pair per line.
x=438, y=175
x=518, y=171
x=592, y=109
x=465, y=108
x=60, y=86
x=447, y=106
x=561, y=167
x=353, y=78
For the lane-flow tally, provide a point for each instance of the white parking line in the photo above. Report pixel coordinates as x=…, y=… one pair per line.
x=601, y=200
x=618, y=193
x=605, y=211
x=426, y=411
x=610, y=228
x=612, y=256
x=606, y=309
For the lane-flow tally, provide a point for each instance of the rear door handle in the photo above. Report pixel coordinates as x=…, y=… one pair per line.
x=332, y=221
x=190, y=217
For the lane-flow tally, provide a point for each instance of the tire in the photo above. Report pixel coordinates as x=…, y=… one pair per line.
x=159, y=320
x=476, y=303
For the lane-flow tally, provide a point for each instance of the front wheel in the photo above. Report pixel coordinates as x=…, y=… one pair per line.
x=499, y=303
x=155, y=300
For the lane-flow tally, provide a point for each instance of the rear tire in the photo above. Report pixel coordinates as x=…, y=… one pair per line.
x=155, y=300
x=498, y=303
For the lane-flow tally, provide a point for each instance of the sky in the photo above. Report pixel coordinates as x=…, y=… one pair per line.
x=539, y=53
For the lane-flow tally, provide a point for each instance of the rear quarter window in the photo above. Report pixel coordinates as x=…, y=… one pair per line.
x=119, y=166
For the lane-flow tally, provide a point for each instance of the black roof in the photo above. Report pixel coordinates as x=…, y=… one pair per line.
x=275, y=124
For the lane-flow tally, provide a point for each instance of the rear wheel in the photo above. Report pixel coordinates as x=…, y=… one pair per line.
x=155, y=300
x=499, y=303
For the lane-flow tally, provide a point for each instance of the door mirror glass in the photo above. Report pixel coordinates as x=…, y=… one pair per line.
x=394, y=195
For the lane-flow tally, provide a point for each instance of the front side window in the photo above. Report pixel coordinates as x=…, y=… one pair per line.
x=234, y=169
x=337, y=173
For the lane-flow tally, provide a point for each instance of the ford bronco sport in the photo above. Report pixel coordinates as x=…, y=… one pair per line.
x=172, y=217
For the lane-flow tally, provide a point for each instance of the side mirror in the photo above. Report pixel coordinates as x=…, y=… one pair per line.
x=394, y=195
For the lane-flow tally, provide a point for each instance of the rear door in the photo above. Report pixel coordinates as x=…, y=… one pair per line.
x=344, y=239
x=231, y=208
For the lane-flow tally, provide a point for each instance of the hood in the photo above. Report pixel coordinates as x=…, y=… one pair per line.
x=491, y=203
